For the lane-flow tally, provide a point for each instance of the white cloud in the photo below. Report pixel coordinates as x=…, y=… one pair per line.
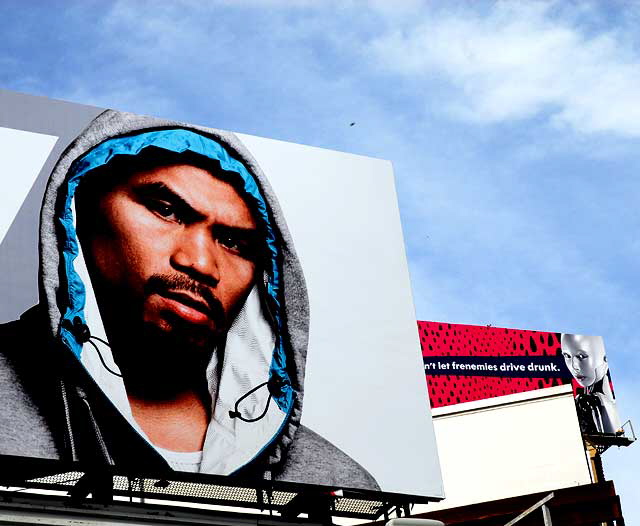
x=520, y=60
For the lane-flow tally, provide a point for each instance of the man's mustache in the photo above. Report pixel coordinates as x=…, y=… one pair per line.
x=164, y=284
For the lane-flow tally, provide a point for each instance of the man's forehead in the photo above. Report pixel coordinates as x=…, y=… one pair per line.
x=189, y=173
x=154, y=158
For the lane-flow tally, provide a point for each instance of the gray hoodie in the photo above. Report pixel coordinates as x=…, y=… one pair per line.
x=71, y=406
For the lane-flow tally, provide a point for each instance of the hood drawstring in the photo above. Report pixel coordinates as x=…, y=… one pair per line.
x=236, y=414
x=104, y=364
x=82, y=334
x=274, y=384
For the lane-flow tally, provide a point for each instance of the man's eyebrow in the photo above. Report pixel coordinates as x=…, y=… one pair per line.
x=248, y=233
x=159, y=190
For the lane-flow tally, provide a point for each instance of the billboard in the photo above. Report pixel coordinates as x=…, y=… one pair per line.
x=171, y=294
x=464, y=363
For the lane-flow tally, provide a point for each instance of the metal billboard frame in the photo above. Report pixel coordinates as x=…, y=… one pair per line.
x=288, y=499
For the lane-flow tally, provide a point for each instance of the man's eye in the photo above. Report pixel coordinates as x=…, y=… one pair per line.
x=164, y=209
x=236, y=244
x=230, y=242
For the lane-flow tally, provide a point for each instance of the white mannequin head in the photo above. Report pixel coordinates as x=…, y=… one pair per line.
x=585, y=357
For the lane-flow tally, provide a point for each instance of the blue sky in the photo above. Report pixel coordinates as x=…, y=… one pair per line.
x=514, y=129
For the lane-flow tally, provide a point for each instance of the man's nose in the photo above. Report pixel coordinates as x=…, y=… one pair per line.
x=195, y=253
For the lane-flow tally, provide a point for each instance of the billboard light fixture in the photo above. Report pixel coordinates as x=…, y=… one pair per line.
x=405, y=521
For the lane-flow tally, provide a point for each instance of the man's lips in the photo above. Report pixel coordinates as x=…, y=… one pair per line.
x=187, y=306
x=186, y=299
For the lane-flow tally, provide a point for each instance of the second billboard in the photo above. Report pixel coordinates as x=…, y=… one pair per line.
x=464, y=363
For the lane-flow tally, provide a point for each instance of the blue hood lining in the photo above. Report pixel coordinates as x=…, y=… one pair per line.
x=175, y=140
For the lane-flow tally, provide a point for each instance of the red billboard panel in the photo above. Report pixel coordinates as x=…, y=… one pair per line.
x=466, y=363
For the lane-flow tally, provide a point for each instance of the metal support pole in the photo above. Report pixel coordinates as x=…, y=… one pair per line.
x=599, y=469
x=537, y=505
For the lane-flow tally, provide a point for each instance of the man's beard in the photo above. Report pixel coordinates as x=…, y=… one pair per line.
x=157, y=362
x=157, y=365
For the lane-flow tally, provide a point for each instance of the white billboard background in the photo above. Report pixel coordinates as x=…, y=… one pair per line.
x=364, y=388
x=23, y=155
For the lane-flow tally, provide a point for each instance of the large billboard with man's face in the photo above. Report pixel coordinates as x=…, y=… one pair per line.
x=180, y=298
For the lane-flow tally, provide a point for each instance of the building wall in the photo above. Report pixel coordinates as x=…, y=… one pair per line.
x=510, y=445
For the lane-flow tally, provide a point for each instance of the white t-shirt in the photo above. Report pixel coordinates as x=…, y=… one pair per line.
x=182, y=461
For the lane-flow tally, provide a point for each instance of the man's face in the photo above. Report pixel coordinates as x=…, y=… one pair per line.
x=172, y=254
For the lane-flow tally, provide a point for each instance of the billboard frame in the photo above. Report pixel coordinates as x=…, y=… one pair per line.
x=290, y=499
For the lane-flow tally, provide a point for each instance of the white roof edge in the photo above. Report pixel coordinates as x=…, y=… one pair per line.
x=499, y=401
